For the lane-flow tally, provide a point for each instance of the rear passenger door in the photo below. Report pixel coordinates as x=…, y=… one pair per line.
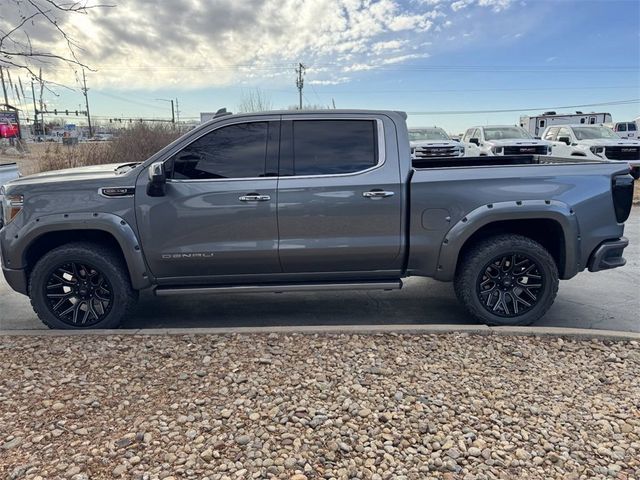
x=339, y=196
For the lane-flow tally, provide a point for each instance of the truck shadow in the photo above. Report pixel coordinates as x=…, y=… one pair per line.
x=419, y=302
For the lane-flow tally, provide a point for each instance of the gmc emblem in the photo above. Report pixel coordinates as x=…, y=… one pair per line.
x=527, y=149
x=627, y=150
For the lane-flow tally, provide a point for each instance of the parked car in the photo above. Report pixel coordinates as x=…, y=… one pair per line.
x=591, y=141
x=625, y=129
x=8, y=172
x=296, y=201
x=502, y=140
x=429, y=142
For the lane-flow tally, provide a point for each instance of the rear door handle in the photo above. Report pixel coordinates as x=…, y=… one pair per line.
x=254, y=197
x=374, y=194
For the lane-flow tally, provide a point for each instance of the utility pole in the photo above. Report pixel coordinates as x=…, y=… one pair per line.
x=35, y=110
x=4, y=87
x=177, y=110
x=86, y=101
x=300, y=82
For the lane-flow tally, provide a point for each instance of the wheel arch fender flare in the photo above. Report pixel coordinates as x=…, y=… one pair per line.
x=109, y=223
x=456, y=238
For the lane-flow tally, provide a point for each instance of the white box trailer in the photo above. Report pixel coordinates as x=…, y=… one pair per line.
x=536, y=124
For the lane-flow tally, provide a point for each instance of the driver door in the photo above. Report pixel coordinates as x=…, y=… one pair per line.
x=217, y=217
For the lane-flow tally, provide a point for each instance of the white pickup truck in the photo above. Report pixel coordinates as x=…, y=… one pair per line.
x=433, y=142
x=595, y=142
x=502, y=140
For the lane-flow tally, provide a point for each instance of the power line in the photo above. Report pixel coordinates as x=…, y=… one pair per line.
x=467, y=112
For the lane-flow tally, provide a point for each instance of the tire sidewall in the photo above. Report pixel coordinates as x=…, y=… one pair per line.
x=48, y=264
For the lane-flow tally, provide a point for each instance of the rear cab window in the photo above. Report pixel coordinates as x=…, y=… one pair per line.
x=328, y=147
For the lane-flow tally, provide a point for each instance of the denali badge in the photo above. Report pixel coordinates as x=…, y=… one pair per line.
x=527, y=149
x=177, y=256
x=629, y=149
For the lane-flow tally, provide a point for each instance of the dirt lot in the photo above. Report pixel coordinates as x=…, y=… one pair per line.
x=318, y=406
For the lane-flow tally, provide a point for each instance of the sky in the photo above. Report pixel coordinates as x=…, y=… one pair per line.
x=425, y=57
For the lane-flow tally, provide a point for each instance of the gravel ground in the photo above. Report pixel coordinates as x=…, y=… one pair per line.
x=298, y=407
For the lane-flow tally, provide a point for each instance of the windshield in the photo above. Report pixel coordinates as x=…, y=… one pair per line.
x=416, y=134
x=501, y=133
x=591, y=133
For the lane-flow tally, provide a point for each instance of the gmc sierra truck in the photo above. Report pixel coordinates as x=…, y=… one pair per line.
x=503, y=140
x=287, y=202
x=591, y=141
x=429, y=142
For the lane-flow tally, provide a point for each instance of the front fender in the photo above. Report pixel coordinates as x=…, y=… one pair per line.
x=17, y=240
x=560, y=212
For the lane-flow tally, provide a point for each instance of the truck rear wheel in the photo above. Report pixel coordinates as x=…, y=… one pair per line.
x=81, y=285
x=507, y=280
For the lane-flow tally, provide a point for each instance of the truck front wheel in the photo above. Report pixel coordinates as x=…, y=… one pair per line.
x=507, y=280
x=81, y=285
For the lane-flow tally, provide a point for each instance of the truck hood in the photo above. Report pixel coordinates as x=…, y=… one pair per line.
x=8, y=171
x=92, y=172
x=516, y=141
x=607, y=142
x=434, y=143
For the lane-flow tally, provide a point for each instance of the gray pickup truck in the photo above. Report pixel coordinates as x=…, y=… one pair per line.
x=295, y=201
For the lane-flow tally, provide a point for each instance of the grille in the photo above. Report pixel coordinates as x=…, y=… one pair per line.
x=526, y=150
x=436, y=152
x=622, y=153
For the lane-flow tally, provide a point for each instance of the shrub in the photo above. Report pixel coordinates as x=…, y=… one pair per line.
x=135, y=144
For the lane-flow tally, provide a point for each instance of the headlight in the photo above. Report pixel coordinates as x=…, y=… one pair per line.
x=597, y=150
x=11, y=206
x=497, y=150
x=461, y=150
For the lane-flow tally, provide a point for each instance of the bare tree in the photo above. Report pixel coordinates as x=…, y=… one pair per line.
x=26, y=26
x=255, y=101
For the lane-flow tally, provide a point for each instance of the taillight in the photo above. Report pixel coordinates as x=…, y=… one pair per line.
x=622, y=191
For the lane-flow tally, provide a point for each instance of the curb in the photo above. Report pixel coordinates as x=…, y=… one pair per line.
x=578, y=333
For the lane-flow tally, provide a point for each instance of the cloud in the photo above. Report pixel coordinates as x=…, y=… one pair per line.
x=495, y=5
x=146, y=44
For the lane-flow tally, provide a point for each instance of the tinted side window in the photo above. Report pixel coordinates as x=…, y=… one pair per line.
x=632, y=127
x=622, y=127
x=325, y=147
x=234, y=151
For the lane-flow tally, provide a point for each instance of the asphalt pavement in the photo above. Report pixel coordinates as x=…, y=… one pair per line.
x=606, y=300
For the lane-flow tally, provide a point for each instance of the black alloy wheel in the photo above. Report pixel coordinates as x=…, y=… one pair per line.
x=78, y=294
x=510, y=285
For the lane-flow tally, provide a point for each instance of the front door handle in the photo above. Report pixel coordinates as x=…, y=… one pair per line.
x=374, y=194
x=254, y=197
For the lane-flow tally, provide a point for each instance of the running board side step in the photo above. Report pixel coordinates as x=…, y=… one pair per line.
x=280, y=288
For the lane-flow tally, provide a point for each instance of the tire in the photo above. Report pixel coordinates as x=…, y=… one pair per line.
x=495, y=280
x=80, y=286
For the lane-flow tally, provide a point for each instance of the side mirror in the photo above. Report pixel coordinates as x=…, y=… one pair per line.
x=474, y=141
x=566, y=140
x=157, y=180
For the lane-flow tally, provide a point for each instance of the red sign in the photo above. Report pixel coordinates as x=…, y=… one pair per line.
x=9, y=126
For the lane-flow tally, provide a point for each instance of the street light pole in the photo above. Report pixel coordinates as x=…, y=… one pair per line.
x=173, y=113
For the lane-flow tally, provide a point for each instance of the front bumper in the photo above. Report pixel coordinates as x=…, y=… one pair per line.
x=17, y=279
x=608, y=255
